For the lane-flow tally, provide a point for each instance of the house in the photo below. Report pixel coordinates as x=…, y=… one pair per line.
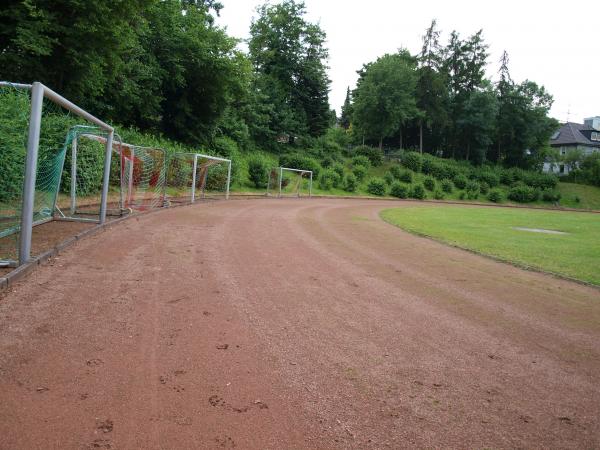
x=574, y=136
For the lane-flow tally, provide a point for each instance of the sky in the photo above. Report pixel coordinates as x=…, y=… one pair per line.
x=554, y=44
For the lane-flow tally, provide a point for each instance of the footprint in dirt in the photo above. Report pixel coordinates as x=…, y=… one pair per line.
x=225, y=442
x=105, y=426
x=215, y=400
x=101, y=443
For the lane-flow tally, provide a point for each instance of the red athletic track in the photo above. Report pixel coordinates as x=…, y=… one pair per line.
x=293, y=324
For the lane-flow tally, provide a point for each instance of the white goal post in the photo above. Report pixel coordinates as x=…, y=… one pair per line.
x=300, y=178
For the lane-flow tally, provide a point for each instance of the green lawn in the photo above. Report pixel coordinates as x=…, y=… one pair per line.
x=490, y=231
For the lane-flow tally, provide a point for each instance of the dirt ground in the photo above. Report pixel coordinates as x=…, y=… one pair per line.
x=294, y=324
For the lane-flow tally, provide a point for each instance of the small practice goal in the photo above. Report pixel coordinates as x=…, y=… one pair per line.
x=191, y=176
x=288, y=182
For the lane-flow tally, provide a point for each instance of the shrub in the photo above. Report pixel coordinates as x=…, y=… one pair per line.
x=490, y=178
x=472, y=189
x=258, y=172
x=462, y=195
x=484, y=187
x=396, y=171
x=418, y=192
x=438, y=194
x=495, y=195
x=297, y=161
x=540, y=180
x=427, y=164
x=406, y=176
x=429, y=183
x=359, y=172
x=350, y=183
x=522, y=193
x=339, y=169
x=412, y=161
x=375, y=155
x=447, y=185
x=460, y=181
x=327, y=162
x=328, y=179
x=388, y=177
x=376, y=186
x=399, y=190
x=549, y=195
x=361, y=160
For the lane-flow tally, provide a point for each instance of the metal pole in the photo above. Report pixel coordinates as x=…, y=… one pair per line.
x=269, y=181
x=194, y=178
x=205, y=181
x=73, y=173
x=280, y=179
x=310, y=186
x=33, y=142
x=228, y=180
x=130, y=184
x=106, y=178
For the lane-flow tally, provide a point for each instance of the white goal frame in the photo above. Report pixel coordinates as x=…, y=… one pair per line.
x=196, y=167
x=300, y=173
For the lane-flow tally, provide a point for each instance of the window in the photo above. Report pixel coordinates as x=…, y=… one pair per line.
x=595, y=136
x=555, y=135
x=563, y=151
x=562, y=168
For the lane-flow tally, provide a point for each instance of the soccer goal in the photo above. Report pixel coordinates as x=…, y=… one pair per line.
x=34, y=121
x=287, y=182
x=194, y=175
x=143, y=175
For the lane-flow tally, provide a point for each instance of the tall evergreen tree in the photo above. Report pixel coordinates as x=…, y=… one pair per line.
x=346, y=115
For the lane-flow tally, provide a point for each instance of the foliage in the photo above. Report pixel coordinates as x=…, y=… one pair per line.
x=329, y=179
x=412, y=161
x=339, y=169
x=406, y=176
x=361, y=160
x=388, y=177
x=376, y=186
x=472, y=189
x=360, y=172
x=301, y=162
x=350, y=182
x=429, y=183
x=418, y=192
x=495, y=195
x=460, y=181
x=258, y=171
x=447, y=185
x=438, y=194
x=384, y=98
x=522, y=193
x=374, y=155
x=549, y=195
x=399, y=190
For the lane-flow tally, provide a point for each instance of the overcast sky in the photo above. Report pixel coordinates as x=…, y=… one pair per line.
x=554, y=44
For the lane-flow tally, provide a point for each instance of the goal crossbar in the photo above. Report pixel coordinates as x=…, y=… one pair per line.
x=300, y=172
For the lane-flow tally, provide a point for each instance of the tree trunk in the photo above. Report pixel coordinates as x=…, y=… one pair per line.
x=421, y=137
x=380, y=142
x=400, y=138
x=363, y=139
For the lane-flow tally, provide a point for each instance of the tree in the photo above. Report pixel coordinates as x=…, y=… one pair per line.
x=476, y=123
x=288, y=54
x=384, y=98
x=431, y=92
x=346, y=116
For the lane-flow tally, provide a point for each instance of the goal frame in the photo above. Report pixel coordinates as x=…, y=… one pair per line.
x=300, y=172
x=38, y=92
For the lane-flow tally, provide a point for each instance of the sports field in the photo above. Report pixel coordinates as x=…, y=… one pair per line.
x=560, y=242
x=296, y=323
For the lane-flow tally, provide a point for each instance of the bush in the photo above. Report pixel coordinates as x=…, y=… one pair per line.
x=472, y=189
x=549, y=195
x=339, y=169
x=540, y=180
x=399, y=190
x=297, y=161
x=412, y=161
x=447, y=185
x=375, y=155
x=258, y=172
x=462, y=195
x=522, y=193
x=429, y=183
x=460, y=181
x=376, y=186
x=490, y=178
x=418, y=192
x=495, y=195
x=406, y=176
x=327, y=162
x=359, y=172
x=350, y=183
x=484, y=187
x=328, y=179
x=388, y=177
x=225, y=147
x=361, y=160
x=396, y=171
x=438, y=194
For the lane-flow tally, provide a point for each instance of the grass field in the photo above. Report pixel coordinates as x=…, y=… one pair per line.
x=490, y=231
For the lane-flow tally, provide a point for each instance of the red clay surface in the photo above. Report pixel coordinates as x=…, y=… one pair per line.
x=293, y=324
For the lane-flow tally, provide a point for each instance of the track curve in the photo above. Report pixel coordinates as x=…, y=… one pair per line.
x=293, y=324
